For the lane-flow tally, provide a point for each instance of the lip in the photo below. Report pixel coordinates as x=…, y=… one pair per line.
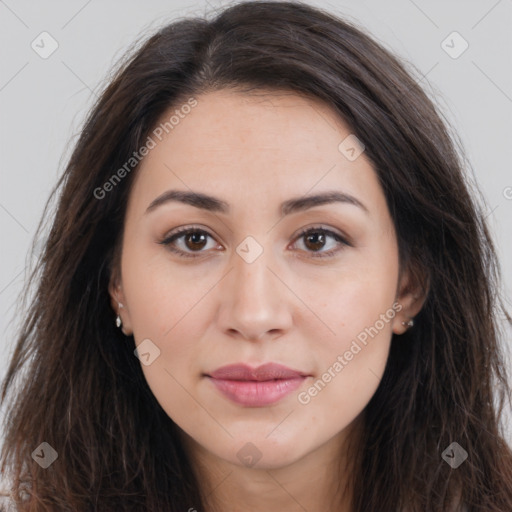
x=256, y=387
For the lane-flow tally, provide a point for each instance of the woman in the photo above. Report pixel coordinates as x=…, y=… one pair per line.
x=266, y=287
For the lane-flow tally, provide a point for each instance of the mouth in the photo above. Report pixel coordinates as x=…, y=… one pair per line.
x=256, y=387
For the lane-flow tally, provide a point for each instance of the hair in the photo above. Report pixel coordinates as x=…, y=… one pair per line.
x=84, y=392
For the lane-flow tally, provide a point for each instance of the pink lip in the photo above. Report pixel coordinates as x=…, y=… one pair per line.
x=256, y=387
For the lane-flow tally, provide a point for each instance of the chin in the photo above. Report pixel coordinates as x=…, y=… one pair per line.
x=261, y=452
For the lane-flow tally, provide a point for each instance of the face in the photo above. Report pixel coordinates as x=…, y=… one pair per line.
x=261, y=276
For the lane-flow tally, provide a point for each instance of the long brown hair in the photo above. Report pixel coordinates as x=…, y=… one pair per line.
x=83, y=391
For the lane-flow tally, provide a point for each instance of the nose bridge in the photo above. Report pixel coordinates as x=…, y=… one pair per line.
x=254, y=300
x=252, y=277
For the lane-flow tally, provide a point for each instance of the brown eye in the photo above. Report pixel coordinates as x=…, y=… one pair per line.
x=195, y=240
x=316, y=239
x=191, y=240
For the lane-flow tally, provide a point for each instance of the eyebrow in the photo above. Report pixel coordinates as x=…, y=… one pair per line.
x=216, y=205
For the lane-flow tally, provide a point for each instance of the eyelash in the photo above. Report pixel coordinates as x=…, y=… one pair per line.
x=168, y=240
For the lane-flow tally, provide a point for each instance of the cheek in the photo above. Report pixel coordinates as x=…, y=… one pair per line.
x=349, y=364
x=161, y=297
x=349, y=300
x=168, y=310
x=357, y=309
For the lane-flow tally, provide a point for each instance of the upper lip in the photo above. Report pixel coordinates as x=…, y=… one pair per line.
x=267, y=371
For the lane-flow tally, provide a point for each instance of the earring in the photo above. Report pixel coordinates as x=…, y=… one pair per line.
x=119, y=322
x=410, y=323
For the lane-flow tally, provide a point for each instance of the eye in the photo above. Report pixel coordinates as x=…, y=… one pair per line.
x=194, y=239
x=315, y=239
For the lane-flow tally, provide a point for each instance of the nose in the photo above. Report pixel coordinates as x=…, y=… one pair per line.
x=255, y=303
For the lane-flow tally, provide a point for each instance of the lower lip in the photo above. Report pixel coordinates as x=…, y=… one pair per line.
x=257, y=394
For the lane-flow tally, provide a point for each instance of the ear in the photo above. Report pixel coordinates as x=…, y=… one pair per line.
x=118, y=302
x=412, y=292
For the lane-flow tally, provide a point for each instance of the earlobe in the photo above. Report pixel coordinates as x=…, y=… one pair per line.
x=117, y=299
x=412, y=296
x=405, y=319
x=116, y=294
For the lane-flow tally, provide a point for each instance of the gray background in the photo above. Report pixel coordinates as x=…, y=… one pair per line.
x=44, y=101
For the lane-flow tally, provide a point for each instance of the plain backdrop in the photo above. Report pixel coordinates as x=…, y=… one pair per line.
x=44, y=98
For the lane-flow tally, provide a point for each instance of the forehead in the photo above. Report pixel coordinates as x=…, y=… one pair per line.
x=268, y=145
x=261, y=123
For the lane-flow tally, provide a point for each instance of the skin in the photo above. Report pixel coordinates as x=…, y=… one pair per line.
x=288, y=306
